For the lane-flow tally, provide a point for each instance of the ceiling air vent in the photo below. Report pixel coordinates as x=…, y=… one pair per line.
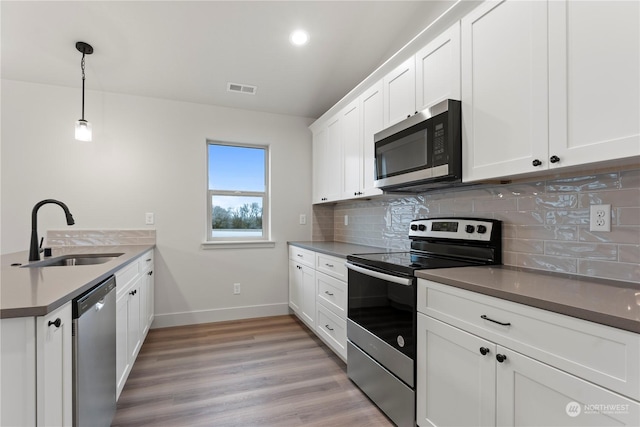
x=238, y=88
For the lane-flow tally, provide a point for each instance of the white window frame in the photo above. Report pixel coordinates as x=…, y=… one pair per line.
x=240, y=242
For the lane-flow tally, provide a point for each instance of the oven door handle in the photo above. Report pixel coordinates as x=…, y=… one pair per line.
x=383, y=276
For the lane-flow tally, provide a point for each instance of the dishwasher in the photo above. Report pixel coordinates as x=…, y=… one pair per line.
x=94, y=356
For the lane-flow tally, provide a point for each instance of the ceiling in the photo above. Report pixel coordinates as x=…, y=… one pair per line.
x=189, y=50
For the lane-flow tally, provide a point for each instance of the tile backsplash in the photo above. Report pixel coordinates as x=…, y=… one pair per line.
x=71, y=237
x=546, y=222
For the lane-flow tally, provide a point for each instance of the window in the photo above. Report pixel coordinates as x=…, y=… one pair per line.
x=238, y=199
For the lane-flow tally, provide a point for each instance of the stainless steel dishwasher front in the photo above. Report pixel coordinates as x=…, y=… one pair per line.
x=94, y=356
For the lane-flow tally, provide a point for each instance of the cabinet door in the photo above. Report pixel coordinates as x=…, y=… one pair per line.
x=143, y=298
x=372, y=123
x=150, y=297
x=438, y=69
x=594, y=88
x=400, y=93
x=533, y=393
x=54, y=372
x=295, y=284
x=122, y=342
x=504, y=89
x=133, y=322
x=351, y=140
x=455, y=382
x=327, y=162
x=308, y=285
x=319, y=146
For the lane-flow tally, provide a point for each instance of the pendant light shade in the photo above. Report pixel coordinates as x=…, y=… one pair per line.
x=83, y=130
x=83, y=127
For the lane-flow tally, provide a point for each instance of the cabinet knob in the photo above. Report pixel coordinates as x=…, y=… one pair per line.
x=536, y=162
x=415, y=112
x=135, y=291
x=484, y=351
x=55, y=323
x=554, y=159
x=408, y=115
x=501, y=357
x=355, y=193
x=150, y=273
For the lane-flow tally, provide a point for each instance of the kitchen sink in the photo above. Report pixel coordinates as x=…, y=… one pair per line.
x=73, y=260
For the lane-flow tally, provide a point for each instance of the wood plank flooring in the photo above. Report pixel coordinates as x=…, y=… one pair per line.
x=258, y=372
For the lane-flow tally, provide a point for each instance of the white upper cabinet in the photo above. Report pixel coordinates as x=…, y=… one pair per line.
x=594, y=81
x=371, y=106
x=400, y=93
x=351, y=146
x=504, y=88
x=327, y=162
x=438, y=69
x=548, y=85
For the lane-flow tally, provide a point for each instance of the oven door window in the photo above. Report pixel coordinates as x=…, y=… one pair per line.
x=386, y=309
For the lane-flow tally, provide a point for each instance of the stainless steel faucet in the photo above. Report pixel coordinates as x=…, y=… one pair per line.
x=34, y=249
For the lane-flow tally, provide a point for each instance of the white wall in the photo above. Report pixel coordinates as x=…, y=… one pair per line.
x=149, y=155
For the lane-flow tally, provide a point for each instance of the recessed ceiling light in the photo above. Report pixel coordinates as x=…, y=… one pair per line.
x=299, y=37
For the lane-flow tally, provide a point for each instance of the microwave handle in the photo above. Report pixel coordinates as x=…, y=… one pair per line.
x=378, y=275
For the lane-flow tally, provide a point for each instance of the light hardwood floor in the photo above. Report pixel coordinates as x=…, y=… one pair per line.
x=258, y=372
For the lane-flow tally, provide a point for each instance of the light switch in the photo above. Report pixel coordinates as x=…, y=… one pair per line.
x=148, y=218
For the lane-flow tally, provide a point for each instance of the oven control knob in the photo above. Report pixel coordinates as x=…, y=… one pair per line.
x=482, y=229
x=422, y=227
x=469, y=228
x=414, y=227
x=400, y=340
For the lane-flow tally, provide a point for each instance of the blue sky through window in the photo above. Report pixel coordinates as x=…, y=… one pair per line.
x=236, y=168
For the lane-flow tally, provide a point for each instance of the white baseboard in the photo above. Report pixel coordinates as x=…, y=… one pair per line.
x=218, y=315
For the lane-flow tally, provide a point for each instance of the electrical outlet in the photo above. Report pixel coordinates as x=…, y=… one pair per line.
x=600, y=218
x=236, y=288
x=303, y=219
x=346, y=220
x=149, y=218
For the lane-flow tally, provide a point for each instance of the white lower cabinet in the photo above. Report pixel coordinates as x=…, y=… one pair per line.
x=54, y=368
x=484, y=376
x=36, y=373
x=318, y=282
x=302, y=285
x=134, y=314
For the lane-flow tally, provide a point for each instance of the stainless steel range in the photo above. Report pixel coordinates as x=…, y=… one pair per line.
x=381, y=319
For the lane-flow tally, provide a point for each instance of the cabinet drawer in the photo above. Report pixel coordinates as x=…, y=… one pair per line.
x=333, y=266
x=332, y=293
x=604, y=355
x=333, y=330
x=126, y=276
x=145, y=261
x=302, y=256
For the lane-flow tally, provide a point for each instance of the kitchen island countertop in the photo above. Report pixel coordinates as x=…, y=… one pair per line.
x=607, y=302
x=37, y=291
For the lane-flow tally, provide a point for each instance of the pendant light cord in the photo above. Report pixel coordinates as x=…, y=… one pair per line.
x=82, y=66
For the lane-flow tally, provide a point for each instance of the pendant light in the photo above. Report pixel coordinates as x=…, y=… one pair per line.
x=83, y=127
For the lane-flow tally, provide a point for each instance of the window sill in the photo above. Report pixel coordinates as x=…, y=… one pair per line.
x=248, y=244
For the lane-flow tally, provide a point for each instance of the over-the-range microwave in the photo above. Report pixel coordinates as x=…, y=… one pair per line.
x=421, y=152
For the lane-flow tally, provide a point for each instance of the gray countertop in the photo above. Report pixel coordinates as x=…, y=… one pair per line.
x=338, y=249
x=606, y=302
x=39, y=290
